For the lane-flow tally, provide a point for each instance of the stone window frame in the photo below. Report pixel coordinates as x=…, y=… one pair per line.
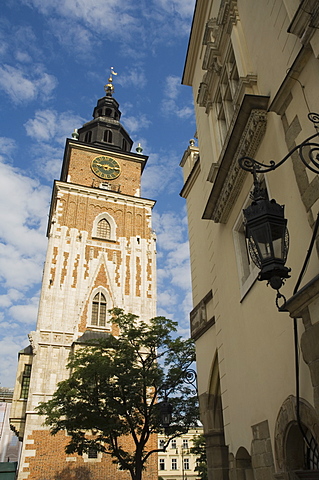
x=186, y=463
x=161, y=464
x=161, y=443
x=225, y=101
x=174, y=464
x=113, y=227
x=227, y=77
x=87, y=458
x=109, y=306
x=185, y=443
x=25, y=382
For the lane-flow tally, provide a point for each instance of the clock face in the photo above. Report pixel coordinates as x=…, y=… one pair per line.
x=106, y=167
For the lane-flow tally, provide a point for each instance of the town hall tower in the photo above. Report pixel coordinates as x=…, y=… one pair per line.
x=100, y=255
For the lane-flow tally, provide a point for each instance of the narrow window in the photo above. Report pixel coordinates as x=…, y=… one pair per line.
x=174, y=463
x=173, y=443
x=88, y=137
x=161, y=443
x=185, y=443
x=99, y=310
x=124, y=144
x=186, y=463
x=92, y=452
x=162, y=464
x=25, y=381
x=99, y=112
x=108, y=136
x=108, y=112
x=103, y=229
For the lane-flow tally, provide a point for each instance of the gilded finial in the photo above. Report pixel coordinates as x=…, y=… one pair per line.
x=109, y=87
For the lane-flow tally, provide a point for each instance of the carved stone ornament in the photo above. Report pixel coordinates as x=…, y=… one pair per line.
x=33, y=342
x=250, y=140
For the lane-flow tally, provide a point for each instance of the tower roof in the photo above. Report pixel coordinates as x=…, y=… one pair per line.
x=105, y=128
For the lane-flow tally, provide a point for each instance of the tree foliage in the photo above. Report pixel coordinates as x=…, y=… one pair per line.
x=199, y=449
x=115, y=389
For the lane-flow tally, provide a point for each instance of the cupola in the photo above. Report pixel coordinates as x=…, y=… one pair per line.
x=105, y=128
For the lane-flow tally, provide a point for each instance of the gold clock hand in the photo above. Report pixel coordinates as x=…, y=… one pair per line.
x=107, y=167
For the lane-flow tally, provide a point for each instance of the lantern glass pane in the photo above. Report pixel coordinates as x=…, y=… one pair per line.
x=278, y=236
x=262, y=238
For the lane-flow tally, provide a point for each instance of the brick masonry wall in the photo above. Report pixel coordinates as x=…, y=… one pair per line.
x=80, y=171
x=48, y=461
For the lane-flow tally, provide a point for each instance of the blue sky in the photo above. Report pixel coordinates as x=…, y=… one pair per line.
x=55, y=59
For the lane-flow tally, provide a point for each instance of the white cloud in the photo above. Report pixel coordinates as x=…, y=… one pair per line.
x=26, y=313
x=49, y=125
x=173, y=272
x=7, y=145
x=23, y=213
x=172, y=85
x=65, y=30
x=169, y=230
x=184, y=8
x=134, y=124
x=49, y=129
x=170, y=104
x=135, y=77
x=162, y=173
x=24, y=86
x=113, y=15
x=43, y=127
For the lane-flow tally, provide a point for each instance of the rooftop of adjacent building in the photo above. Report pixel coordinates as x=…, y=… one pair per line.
x=6, y=394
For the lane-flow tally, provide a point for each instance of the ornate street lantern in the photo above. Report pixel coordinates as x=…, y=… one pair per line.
x=166, y=410
x=267, y=236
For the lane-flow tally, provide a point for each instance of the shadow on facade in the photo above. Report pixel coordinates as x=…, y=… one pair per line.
x=77, y=473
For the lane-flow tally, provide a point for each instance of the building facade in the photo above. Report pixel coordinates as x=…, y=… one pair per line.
x=100, y=255
x=178, y=462
x=9, y=443
x=254, y=70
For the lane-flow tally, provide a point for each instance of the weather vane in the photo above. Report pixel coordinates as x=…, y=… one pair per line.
x=109, y=87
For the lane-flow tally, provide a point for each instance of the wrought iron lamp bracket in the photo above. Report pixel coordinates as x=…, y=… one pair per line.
x=308, y=152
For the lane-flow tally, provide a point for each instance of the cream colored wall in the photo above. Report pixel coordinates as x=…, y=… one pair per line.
x=253, y=340
x=271, y=49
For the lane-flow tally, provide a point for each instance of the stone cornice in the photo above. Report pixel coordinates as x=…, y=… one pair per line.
x=100, y=193
x=248, y=129
x=306, y=21
x=191, y=179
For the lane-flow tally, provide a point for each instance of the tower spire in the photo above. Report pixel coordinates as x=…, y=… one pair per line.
x=106, y=129
x=109, y=87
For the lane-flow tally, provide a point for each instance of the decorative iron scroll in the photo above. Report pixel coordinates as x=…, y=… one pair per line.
x=191, y=378
x=308, y=152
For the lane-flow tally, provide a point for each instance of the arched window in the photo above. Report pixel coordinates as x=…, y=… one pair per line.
x=88, y=137
x=98, y=317
x=103, y=229
x=99, y=112
x=108, y=112
x=108, y=136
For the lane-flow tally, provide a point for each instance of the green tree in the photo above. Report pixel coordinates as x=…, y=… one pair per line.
x=115, y=391
x=199, y=449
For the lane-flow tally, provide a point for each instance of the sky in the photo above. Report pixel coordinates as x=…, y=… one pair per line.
x=55, y=60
